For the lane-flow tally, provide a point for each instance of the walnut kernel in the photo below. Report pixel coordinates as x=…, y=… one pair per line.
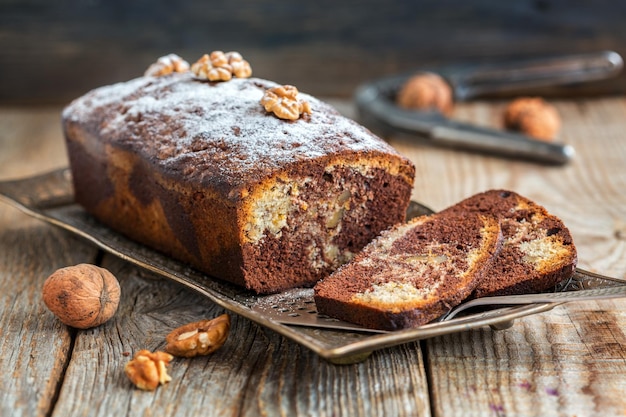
x=283, y=102
x=166, y=65
x=220, y=66
x=241, y=67
x=426, y=91
x=198, y=338
x=147, y=370
x=218, y=58
x=534, y=117
x=82, y=296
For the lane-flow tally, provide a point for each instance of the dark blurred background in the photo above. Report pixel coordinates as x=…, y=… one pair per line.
x=54, y=50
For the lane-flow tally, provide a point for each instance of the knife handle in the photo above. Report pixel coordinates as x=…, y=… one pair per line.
x=472, y=81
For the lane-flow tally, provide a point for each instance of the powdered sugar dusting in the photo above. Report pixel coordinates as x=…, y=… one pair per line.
x=215, y=131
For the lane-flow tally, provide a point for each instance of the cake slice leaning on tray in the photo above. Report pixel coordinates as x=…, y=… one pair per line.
x=412, y=273
x=417, y=271
x=537, y=252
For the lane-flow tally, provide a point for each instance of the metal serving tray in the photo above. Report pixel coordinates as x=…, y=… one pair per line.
x=49, y=197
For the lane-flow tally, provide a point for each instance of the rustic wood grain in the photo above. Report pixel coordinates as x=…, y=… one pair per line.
x=34, y=347
x=256, y=372
x=52, y=52
x=31, y=141
x=570, y=361
x=48, y=369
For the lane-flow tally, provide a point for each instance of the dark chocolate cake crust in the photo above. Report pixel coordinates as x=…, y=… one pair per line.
x=200, y=171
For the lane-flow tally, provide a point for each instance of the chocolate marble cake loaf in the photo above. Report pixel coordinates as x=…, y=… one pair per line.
x=202, y=172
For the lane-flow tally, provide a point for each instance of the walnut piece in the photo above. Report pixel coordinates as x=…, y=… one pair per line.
x=534, y=117
x=82, y=296
x=147, y=370
x=166, y=65
x=220, y=66
x=426, y=91
x=212, y=67
x=198, y=338
x=283, y=102
x=241, y=67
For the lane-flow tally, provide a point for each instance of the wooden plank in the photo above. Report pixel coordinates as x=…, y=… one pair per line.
x=570, y=361
x=325, y=53
x=32, y=141
x=256, y=372
x=34, y=345
x=81, y=372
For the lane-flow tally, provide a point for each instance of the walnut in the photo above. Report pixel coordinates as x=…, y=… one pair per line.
x=147, y=370
x=283, y=102
x=218, y=58
x=82, y=296
x=205, y=69
x=241, y=67
x=534, y=117
x=166, y=65
x=426, y=91
x=220, y=66
x=201, y=67
x=198, y=338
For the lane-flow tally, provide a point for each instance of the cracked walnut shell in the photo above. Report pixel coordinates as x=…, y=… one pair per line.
x=166, y=65
x=283, y=102
x=147, y=370
x=426, y=91
x=198, y=338
x=82, y=296
x=534, y=117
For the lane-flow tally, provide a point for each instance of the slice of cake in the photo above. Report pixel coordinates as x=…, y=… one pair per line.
x=537, y=251
x=412, y=273
x=244, y=179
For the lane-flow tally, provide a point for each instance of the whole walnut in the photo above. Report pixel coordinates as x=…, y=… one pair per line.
x=534, y=117
x=82, y=296
x=426, y=91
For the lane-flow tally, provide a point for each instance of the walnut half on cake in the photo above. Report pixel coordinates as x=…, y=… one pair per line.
x=202, y=172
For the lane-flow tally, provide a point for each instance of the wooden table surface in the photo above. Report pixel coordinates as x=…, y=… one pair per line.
x=570, y=361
